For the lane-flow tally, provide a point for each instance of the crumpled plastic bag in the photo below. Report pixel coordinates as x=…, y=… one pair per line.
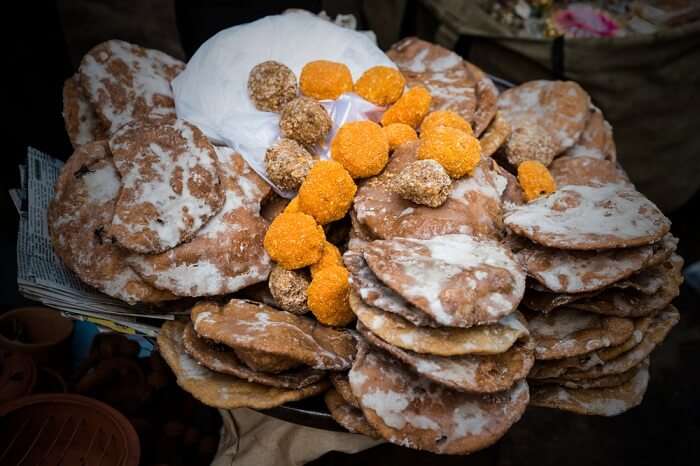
x=212, y=91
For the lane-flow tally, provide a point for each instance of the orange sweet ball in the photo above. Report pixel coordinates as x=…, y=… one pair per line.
x=410, y=109
x=399, y=133
x=329, y=296
x=445, y=118
x=458, y=152
x=361, y=147
x=535, y=179
x=294, y=240
x=292, y=207
x=327, y=192
x=380, y=85
x=323, y=79
x=331, y=257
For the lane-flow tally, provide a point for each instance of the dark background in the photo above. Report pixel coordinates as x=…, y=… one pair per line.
x=45, y=41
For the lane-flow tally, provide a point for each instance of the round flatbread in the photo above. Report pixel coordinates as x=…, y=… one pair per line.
x=652, y=279
x=459, y=280
x=629, y=301
x=496, y=134
x=569, y=332
x=222, y=390
x=226, y=254
x=558, y=107
x=486, y=100
x=125, y=82
x=79, y=115
x=588, y=217
x=375, y=293
x=612, y=380
x=342, y=387
x=78, y=218
x=170, y=185
x=556, y=368
x=659, y=327
x=224, y=361
x=568, y=271
x=347, y=415
x=472, y=373
x=444, y=341
x=596, y=139
x=256, y=327
x=414, y=412
x=472, y=207
x=609, y=401
x=587, y=171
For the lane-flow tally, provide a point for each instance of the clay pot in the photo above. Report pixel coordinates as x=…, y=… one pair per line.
x=49, y=381
x=100, y=434
x=17, y=375
x=40, y=332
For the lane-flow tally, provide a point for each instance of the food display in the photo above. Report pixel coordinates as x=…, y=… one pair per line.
x=440, y=266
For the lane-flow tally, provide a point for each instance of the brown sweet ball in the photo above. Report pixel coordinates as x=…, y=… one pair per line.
x=323, y=79
x=361, y=147
x=287, y=163
x=271, y=85
x=530, y=142
x=380, y=85
x=424, y=182
x=305, y=120
x=399, y=133
x=288, y=287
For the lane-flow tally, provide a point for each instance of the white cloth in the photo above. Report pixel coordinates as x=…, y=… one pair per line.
x=212, y=91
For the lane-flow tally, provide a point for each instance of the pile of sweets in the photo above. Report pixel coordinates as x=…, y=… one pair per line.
x=467, y=255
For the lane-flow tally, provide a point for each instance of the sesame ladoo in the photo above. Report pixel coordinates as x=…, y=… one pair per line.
x=305, y=121
x=271, y=85
x=287, y=163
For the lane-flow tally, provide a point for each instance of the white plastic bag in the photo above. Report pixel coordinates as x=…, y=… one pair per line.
x=212, y=91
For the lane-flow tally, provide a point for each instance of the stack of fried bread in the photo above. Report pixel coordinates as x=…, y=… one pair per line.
x=547, y=286
x=444, y=351
x=248, y=354
x=147, y=209
x=600, y=263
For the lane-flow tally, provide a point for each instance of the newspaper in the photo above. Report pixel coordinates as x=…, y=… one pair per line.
x=42, y=276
